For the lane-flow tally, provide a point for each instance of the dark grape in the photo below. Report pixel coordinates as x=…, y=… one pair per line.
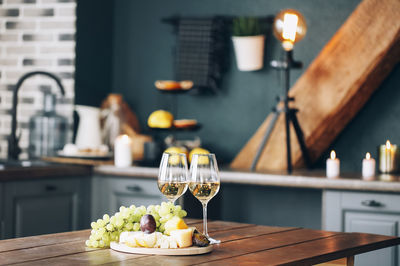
x=148, y=224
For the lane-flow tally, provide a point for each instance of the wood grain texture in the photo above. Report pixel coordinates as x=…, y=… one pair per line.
x=244, y=244
x=335, y=86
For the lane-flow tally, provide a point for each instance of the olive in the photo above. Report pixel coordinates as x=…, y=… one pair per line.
x=147, y=224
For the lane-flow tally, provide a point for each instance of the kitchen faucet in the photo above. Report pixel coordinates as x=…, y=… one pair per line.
x=13, y=149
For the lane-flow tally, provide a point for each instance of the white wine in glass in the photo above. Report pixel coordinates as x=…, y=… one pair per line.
x=172, y=175
x=204, y=184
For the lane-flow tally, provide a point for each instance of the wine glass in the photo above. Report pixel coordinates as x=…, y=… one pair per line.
x=172, y=175
x=204, y=184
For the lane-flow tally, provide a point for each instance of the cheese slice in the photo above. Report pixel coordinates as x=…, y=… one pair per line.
x=183, y=237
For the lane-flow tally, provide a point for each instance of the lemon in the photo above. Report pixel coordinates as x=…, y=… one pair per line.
x=160, y=119
x=174, y=158
x=203, y=160
x=174, y=223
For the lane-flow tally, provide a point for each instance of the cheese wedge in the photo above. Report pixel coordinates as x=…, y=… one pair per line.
x=183, y=237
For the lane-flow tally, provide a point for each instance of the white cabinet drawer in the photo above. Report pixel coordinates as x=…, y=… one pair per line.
x=133, y=186
x=371, y=201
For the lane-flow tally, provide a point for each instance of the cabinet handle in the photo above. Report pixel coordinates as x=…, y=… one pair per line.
x=371, y=203
x=50, y=188
x=134, y=188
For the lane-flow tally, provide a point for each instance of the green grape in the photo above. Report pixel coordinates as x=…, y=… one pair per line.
x=106, y=237
x=182, y=213
x=109, y=227
x=106, y=218
x=87, y=243
x=128, y=226
x=93, y=225
x=158, y=224
x=120, y=223
x=100, y=223
x=122, y=208
x=95, y=244
x=113, y=221
x=136, y=226
x=132, y=207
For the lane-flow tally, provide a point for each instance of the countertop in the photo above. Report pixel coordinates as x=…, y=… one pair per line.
x=240, y=243
x=307, y=179
x=42, y=170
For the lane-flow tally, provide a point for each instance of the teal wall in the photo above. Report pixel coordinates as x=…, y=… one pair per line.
x=142, y=53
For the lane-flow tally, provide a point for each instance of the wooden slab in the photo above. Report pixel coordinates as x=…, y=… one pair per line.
x=313, y=252
x=78, y=161
x=162, y=251
x=249, y=244
x=335, y=86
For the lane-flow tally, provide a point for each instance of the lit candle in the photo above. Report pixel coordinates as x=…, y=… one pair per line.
x=123, y=151
x=388, y=158
x=368, y=167
x=332, y=166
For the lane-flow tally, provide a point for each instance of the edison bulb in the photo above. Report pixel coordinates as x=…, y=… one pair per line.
x=289, y=27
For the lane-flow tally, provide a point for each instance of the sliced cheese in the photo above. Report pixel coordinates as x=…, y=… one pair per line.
x=183, y=237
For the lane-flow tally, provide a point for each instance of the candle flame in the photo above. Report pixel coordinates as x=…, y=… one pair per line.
x=124, y=138
x=368, y=156
x=333, y=155
x=388, y=145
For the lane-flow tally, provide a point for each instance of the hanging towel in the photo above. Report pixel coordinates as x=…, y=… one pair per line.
x=201, y=51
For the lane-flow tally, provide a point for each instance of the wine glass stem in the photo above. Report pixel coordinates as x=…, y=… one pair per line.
x=205, y=230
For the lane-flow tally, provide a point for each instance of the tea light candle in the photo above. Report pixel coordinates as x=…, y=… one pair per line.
x=368, y=167
x=123, y=151
x=332, y=166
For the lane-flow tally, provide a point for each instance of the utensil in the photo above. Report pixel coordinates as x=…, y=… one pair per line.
x=172, y=176
x=204, y=184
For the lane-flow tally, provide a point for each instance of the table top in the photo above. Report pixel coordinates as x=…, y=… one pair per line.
x=241, y=243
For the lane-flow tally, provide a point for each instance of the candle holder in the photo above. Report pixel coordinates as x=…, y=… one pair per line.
x=389, y=158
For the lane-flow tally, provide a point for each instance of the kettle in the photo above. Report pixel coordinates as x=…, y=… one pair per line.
x=88, y=135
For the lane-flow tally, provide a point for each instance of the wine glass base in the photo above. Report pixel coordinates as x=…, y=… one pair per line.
x=213, y=241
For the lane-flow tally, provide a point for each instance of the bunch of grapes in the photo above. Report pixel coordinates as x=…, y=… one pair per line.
x=128, y=219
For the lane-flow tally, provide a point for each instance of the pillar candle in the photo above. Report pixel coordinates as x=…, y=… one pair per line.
x=123, y=151
x=368, y=167
x=332, y=166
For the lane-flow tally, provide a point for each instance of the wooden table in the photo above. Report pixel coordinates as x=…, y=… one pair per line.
x=241, y=244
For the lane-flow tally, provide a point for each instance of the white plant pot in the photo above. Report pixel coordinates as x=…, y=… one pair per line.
x=249, y=51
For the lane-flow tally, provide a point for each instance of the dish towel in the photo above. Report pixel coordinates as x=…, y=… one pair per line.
x=201, y=52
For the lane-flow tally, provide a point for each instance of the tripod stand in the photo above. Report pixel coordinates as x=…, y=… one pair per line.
x=290, y=115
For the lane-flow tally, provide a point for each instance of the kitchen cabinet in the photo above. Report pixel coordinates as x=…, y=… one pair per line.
x=1, y=212
x=111, y=192
x=45, y=206
x=364, y=212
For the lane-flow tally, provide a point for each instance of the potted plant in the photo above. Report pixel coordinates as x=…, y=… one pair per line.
x=248, y=43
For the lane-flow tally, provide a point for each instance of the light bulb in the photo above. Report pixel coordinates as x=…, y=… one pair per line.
x=289, y=27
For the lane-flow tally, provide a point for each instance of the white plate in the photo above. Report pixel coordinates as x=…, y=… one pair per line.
x=85, y=156
x=193, y=250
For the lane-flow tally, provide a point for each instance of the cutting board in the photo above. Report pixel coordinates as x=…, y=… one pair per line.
x=77, y=161
x=162, y=251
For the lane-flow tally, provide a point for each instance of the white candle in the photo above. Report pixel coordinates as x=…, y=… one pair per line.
x=123, y=151
x=332, y=166
x=368, y=167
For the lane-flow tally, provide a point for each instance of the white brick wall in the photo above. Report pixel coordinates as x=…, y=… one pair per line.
x=35, y=35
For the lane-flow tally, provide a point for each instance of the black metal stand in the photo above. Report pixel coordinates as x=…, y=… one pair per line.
x=290, y=115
